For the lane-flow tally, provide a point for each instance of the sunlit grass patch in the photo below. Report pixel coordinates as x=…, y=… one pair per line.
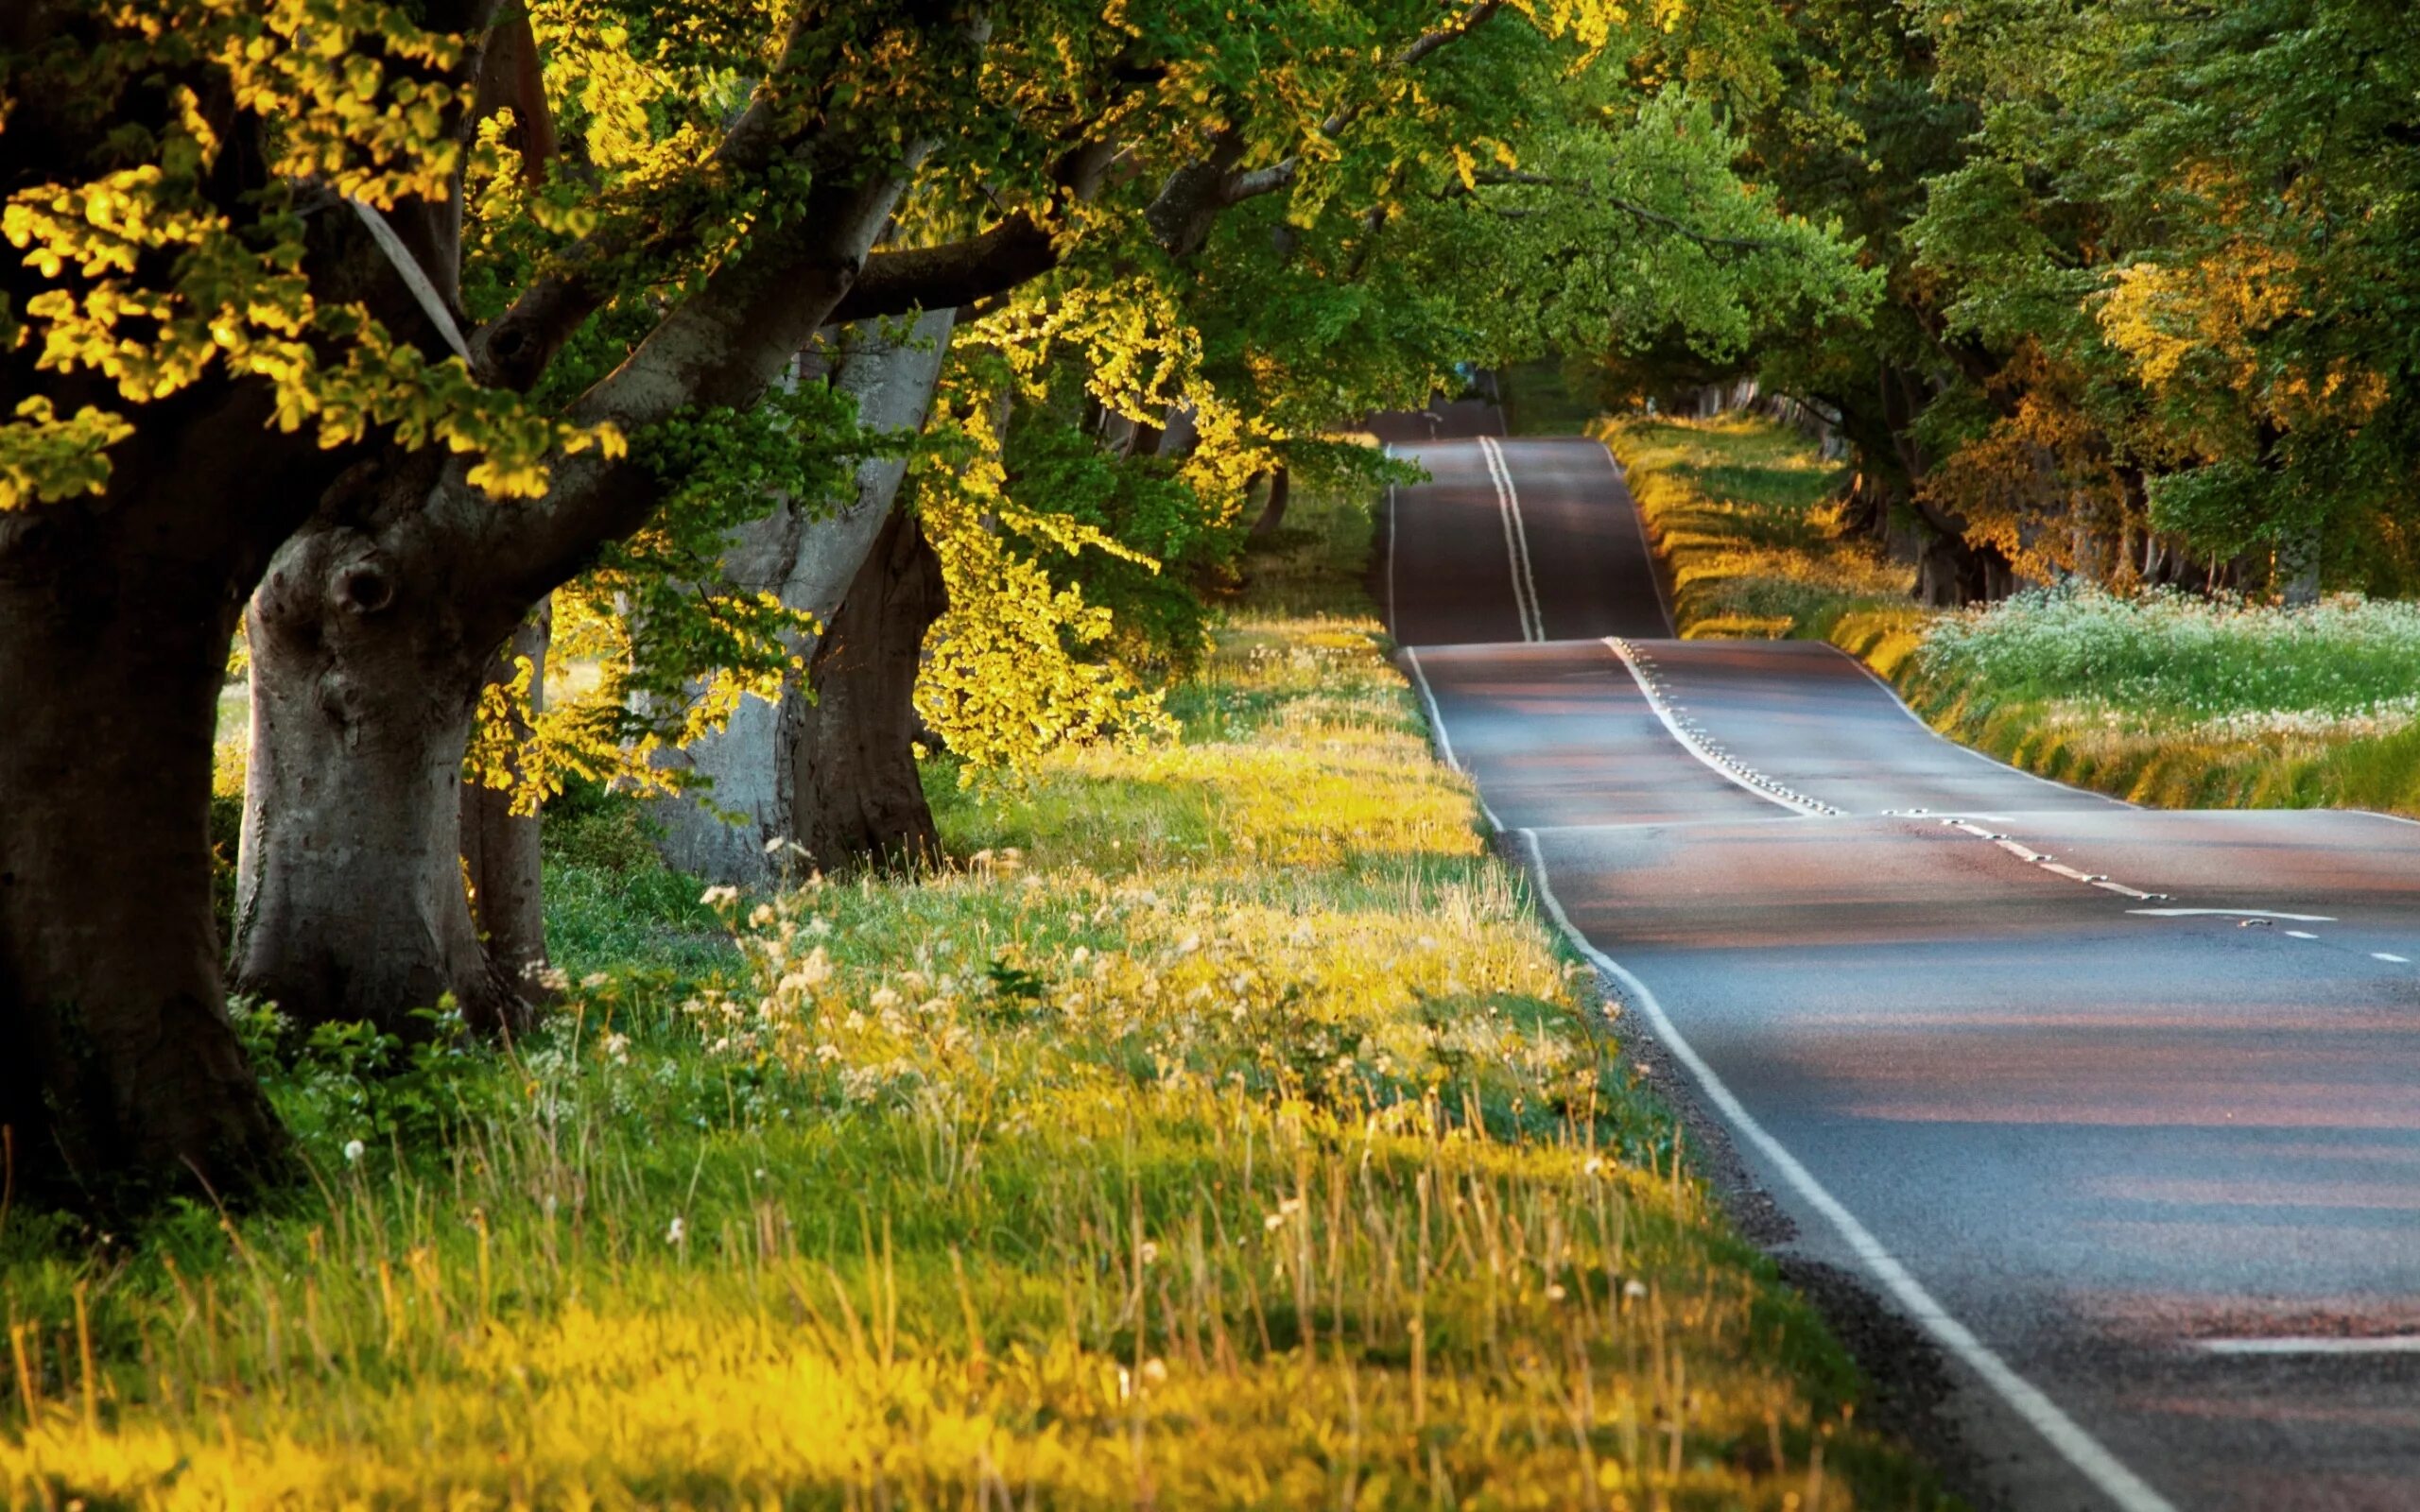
x=1743, y=514
x=1218, y=1128
x=2161, y=699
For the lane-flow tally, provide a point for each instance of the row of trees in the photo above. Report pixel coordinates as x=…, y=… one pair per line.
x=913, y=352
x=2151, y=274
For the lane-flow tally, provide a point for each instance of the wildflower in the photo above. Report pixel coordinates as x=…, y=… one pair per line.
x=1635, y=1290
x=1147, y=1253
x=883, y=1001
x=1555, y=1291
x=761, y=915
x=719, y=896
x=595, y=980
x=1156, y=1371
x=678, y=1232
x=617, y=1048
x=353, y=1151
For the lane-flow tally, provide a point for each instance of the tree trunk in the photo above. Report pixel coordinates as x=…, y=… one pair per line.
x=859, y=797
x=501, y=863
x=120, y=1076
x=350, y=891
x=811, y=560
x=1273, y=513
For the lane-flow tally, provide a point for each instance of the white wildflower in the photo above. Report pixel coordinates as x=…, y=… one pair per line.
x=676, y=1233
x=719, y=896
x=353, y=1151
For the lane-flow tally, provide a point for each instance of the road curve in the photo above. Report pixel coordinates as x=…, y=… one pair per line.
x=2121, y=1107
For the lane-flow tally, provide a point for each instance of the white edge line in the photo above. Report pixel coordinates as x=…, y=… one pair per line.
x=1918, y=721
x=1689, y=743
x=1444, y=740
x=2129, y=1492
x=2390, y=1343
x=1638, y=521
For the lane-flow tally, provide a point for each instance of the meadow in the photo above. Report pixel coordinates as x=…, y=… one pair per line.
x=2159, y=698
x=1219, y=1128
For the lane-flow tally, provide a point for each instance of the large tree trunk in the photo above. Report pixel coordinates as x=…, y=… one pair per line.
x=501, y=863
x=1273, y=513
x=811, y=560
x=859, y=797
x=349, y=893
x=120, y=1076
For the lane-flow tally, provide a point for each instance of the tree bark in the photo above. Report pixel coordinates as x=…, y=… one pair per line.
x=120, y=1076
x=1273, y=513
x=723, y=833
x=860, y=799
x=501, y=862
x=349, y=893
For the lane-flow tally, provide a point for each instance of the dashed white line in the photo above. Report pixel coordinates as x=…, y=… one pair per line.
x=2129, y=1492
x=2390, y=955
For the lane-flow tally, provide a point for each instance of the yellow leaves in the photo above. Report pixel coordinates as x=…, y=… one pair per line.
x=43, y=457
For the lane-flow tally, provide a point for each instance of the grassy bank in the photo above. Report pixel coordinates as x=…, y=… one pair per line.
x=1221, y=1131
x=2160, y=699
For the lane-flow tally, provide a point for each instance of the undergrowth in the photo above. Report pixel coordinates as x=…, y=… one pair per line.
x=2159, y=698
x=1217, y=1129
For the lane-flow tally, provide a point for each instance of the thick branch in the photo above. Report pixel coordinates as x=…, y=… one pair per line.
x=953, y=274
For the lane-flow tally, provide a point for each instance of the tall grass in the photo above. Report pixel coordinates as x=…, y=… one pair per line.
x=1220, y=1129
x=2162, y=698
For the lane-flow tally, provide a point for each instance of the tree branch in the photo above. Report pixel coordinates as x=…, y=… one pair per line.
x=953, y=274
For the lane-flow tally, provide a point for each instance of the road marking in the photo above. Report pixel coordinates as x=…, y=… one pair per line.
x=1444, y=740
x=2302, y=934
x=2325, y=1344
x=1730, y=770
x=1395, y=627
x=2234, y=913
x=1638, y=521
x=2077, y=1448
x=1516, y=540
x=2387, y=955
x=1918, y=721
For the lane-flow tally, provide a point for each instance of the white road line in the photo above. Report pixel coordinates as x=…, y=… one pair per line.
x=1729, y=770
x=1647, y=548
x=2388, y=956
x=2236, y=913
x=1918, y=721
x=2385, y=1344
x=2129, y=1492
x=1444, y=740
x=1395, y=627
x=1516, y=540
x=2302, y=934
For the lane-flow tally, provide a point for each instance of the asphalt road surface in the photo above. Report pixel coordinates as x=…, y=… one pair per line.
x=2121, y=1107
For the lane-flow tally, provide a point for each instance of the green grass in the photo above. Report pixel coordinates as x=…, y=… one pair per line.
x=2159, y=698
x=1220, y=1129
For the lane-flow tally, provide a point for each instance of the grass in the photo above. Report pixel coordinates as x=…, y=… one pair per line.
x=2159, y=698
x=1221, y=1131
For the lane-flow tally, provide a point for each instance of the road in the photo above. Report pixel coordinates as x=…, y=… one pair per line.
x=2119, y=1107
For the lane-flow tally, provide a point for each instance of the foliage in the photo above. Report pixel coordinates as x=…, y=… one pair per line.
x=1220, y=1138
x=2160, y=697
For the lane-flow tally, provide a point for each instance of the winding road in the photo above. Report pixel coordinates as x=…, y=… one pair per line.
x=2119, y=1107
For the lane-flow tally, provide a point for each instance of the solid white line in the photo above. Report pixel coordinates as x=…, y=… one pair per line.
x=2388, y=1343
x=2302, y=934
x=1777, y=794
x=1516, y=540
x=2077, y=1447
x=2234, y=913
x=1444, y=740
x=1638, y=521
x=2383, y=955
x=1918, y=721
